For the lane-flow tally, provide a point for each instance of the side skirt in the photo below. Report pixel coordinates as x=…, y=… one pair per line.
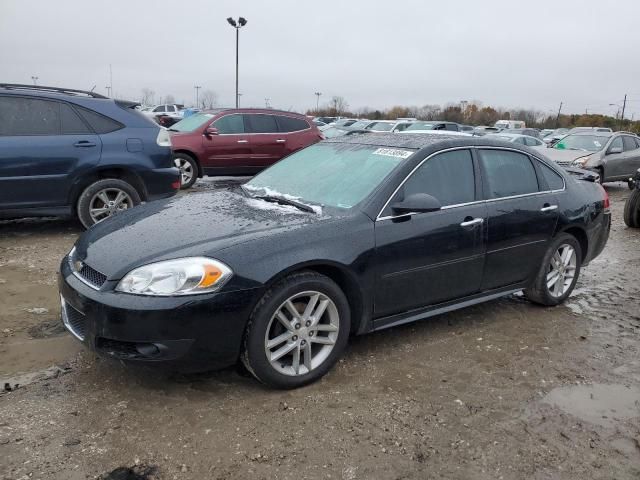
x=433, y=310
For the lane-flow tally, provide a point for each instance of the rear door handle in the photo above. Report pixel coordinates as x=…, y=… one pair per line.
x=84, y=143
x=281, y=140
x=549, y=208
x=470, y=223
x=243, y=141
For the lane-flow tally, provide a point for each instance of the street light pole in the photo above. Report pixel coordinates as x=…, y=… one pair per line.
x=108, y=91
x=317, y=94
x=237, y=25
x=197, y=87
x=35, y=79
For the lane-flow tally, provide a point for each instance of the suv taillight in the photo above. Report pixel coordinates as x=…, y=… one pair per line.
x=163, y=139
x=607, y=203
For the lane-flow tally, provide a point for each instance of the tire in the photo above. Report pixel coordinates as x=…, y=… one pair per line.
x=188, y=169
x=264, y=326
x=601, y=173
x=540, y=292
x=114, y=189
x=632, y=210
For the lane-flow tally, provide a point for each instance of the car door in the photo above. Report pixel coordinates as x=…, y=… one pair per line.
x=523, y=213
x=427, y=258
x=42, y=144
x=631, y=160
x=268, y=144
x=229, y=150
x=614, y=158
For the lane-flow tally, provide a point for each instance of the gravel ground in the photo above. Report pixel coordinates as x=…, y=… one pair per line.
x=504, y=390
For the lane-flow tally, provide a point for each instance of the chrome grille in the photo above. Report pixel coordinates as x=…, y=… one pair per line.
x=73, y=320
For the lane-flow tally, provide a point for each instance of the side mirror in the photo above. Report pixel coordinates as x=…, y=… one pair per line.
x=614, y=150
x=211, y=131
x=417, y=203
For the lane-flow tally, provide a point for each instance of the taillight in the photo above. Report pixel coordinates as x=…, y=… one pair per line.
x=176, y=185
x=607, y=203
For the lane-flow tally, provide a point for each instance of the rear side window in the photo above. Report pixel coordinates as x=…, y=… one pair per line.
x=29, y=116
x=290, y=124
x=449, y=177
x=553, y=179
x=629, y=143
x=507, y=174
x=230, y=124
x=262, y=123
x=99, y=123
x=452, y=127
x=70, y=122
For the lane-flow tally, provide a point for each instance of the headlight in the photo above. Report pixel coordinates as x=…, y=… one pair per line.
x=580, y=162
x=183, y=276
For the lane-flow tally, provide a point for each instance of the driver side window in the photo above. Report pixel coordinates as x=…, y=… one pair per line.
x=449, y=177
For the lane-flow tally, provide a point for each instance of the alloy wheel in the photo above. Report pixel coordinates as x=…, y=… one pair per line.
x=186, y=170
x=108, y=202
x=561, y=270
x=302, y=333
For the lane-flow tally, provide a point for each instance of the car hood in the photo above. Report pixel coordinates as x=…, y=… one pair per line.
x=562, y=156
x=197, y=224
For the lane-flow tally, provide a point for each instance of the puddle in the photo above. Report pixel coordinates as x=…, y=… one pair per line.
x=598, y=404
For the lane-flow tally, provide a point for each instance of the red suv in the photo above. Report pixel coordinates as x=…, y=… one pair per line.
x=237, y=141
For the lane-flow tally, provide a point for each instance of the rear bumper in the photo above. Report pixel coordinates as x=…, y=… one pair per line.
x=194, y=333
x=160, y=182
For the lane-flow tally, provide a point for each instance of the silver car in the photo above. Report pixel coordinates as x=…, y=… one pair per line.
x=615, y=156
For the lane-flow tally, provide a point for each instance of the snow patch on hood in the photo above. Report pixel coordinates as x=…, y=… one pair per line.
x=274, y=193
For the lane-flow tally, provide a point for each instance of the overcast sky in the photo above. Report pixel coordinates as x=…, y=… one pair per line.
x=374, y=53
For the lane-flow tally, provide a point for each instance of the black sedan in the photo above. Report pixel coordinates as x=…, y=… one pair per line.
x=350, y=235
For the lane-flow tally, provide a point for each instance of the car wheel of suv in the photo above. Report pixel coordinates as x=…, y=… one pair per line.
x=632, y=210
x=105, y=198
x=559, y=272
x=297, y=331
x=188, y=169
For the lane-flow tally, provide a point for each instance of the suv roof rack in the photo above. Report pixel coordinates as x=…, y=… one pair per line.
x=42, y=88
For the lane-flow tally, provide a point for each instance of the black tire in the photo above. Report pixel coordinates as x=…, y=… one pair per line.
x=254, y=356
x=84, y=201
x=538, y=292
x=193, y=165
x=632, y=210
x=601, y=173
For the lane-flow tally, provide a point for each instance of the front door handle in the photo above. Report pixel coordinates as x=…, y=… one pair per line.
x=281, y=140
x=84, y=143
x=548, y=208
x=471, y=223
x=243, y=141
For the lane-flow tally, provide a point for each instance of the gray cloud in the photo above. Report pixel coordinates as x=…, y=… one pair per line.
x=373, y=53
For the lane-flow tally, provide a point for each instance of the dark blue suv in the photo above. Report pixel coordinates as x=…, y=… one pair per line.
x=70, y=152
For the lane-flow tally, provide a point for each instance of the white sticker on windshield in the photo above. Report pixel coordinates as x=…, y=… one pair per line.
x=393, y=152
x=597, y=144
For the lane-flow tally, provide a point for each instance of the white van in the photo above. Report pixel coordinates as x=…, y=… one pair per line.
x=502, y=124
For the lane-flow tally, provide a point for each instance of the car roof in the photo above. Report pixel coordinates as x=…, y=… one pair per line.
x=215, y=111
x=592, y=133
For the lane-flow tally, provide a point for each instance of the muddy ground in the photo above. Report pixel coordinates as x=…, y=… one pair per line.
x=504, y=390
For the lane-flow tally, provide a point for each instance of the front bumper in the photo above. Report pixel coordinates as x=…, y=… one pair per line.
x=189, y=333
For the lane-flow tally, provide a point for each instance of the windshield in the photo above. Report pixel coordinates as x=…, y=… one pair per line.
x=422, y=126
x=332, y=174
x=381, y=126
x=191, y=123
x=589, y=143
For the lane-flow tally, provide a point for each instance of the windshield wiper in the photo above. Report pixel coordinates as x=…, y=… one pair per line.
x=172, y=129
x=286, y=201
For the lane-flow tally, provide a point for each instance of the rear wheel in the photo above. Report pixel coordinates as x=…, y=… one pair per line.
x=188, y=169
x=105, y=198
x=632, y=210
x=558, y=273
x=297, y=331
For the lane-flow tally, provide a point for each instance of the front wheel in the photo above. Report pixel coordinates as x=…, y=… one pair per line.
x=558, y=273
x=297, y=331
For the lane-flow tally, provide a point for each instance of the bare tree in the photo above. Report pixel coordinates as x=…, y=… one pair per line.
x=338, y=105
x=147, y=96
x=169, y=99
x=209, y=99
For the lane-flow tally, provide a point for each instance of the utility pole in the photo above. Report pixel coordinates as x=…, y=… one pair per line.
x=35, y=79
x=197, y=87
x=624, y=104
x=110, y=80
x=108, y=91
x=266, y=103
x=558, y=117
x=317, y=94
x=237, y=25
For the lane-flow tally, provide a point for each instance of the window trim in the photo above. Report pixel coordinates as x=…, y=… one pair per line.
x=262, y=133
x=380, y=218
